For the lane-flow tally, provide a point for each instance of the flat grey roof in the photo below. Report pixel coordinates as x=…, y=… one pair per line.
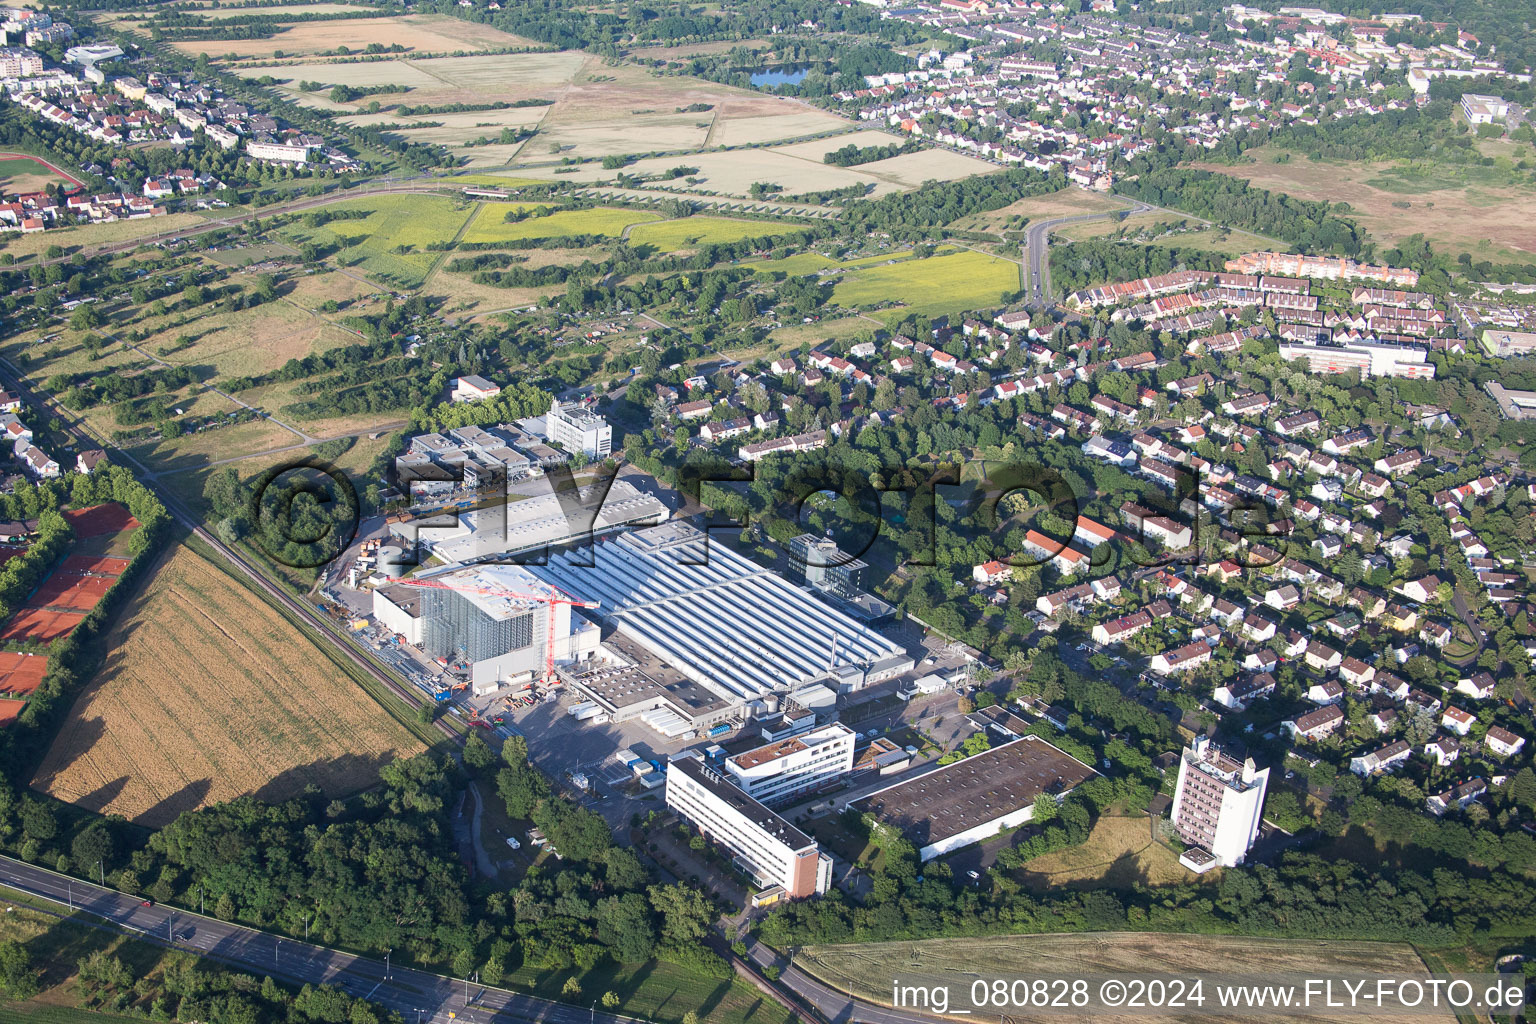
x=956, y=798
x=749, y=808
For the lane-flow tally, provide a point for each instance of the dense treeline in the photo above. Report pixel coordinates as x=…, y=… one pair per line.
x=380, y=871
x=20, y=576
x=1311, y=226
x=915, y=214
x=1076, y=265
x=1429, y=133
x=852, y=155
x=1305, y=896
x=74, y=658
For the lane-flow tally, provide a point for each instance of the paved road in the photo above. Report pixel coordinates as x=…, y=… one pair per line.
x=1036, y=240
x=417, y=995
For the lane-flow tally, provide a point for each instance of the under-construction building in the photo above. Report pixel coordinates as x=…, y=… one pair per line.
x=503, y=621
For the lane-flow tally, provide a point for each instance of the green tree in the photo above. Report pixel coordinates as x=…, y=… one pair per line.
x=18, y=978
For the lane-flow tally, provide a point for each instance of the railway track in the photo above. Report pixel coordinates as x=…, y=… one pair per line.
x=300, y=609
x=18, y=385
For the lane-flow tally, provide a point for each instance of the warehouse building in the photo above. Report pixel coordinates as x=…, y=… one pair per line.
x=397, y=608
x=778, y=773
x=781, y=859
x=474, y=614
x=731, y=626
x=975, y=798
x=531, y=525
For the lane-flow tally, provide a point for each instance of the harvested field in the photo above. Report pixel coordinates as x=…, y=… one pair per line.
x=598, y=109
x=20, y=674
x=784, y=119
x=9, y=710
x=208, y=693
x=40, y=625
x=867, y=969
x=734, y=173
x=421, y=33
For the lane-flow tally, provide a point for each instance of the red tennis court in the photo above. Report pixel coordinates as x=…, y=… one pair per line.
x=106, y=565
x=64, y=591
x=20, y=674
x=9, y=709
x=100, y=519
x=40, y=624
x=7, y=552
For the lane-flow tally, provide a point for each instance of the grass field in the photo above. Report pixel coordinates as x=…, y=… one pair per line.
x=867, y=969
x=207, y=694
x=1119, y=851
x=96, y=234
x=939, y=284
x=249, y=341
x=391, y=241
x=1170, y=230
x=56, y=946
x=1459, y=209
x=19, y=176
x=660, y=992
x=1068, y=202
x=489, y=225
x=692, y=232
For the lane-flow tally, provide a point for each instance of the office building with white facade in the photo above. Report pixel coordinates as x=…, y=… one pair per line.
x=1218, y=803
x=575, y=429
x=778, y=773
x=775, y=853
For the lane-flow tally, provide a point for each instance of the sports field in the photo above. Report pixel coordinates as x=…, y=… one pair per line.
x=79, y=582
x=40, y=625
x=19, y=175
x=940, y=284
x=490, y=224
x=867, y=969
x=20, y=674
x=9, y=710
x=208, y=693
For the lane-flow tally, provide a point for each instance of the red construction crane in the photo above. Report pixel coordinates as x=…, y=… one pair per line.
x=554, y=598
